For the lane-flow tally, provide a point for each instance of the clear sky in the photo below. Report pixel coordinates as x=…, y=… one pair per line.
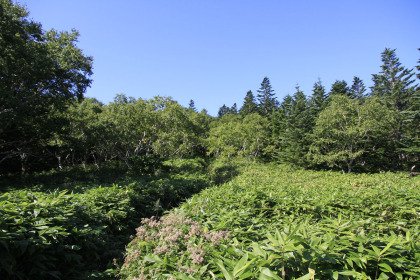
x=214, y=51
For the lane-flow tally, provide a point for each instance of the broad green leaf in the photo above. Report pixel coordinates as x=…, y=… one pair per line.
x=383, y=276
x=350, y=273
x=267, y=272
x=228, y=275
x=256, y=249
x=385, y=267
x=240, y=265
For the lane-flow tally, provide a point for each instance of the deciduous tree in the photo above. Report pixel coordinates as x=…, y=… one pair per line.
x=40, y=72
x=346, y=130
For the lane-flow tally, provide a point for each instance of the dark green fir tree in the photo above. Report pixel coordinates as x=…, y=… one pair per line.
x=357, y=89
x=340, y=88
x=298, y=128
x=233, y=109
x=394, y=83
x=319, y=99
x=267, y=102
x=223, y=111
x=249, y=105
x=191, y=106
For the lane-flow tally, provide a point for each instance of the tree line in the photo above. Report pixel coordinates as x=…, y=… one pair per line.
x=45, y=122
x=348, y=127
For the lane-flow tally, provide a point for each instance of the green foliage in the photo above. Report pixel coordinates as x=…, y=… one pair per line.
x=357, y=89
x=42, y=72
x=345, y=130
x=340, y=88
x=61, y=235
x=224, y=110
x=288, y=223
x=297, y=125
x=319, y=98
x=267, y=102
x=396, y=87
x=234, y=136
x=249, y=105
x=138, y=133
x=394, y=82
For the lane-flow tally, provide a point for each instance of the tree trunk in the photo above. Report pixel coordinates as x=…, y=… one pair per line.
x=23, y=161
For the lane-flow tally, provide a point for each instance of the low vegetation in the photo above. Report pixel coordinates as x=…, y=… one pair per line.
x=275, y=222
x=76, y=230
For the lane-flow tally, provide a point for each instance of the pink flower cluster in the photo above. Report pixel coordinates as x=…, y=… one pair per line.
x=174, y=235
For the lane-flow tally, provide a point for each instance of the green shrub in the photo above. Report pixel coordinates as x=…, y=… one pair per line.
x=62, y=235
x=289, y=223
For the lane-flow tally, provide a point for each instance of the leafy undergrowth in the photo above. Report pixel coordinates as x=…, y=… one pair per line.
x=274, y=222
x=76, y=230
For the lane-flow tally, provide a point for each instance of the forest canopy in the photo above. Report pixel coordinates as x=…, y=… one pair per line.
x=46, y=122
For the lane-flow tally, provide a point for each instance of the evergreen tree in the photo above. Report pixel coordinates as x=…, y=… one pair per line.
x=357, y=89
x=278, y=121
x=191, y=106
x=394, y=83
x=411, y=127
x=267, y=101
x=319, y=98
x=249, y=105
x=233, y=109
x=298, y=127
x=411, y=131
x=223, y=111
x=418, y=68
x=286, y=105
x=340, y=88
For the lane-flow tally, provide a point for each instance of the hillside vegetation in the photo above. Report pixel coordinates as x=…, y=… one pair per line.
x=275, y=222
x=78, y=176
x=58, y=227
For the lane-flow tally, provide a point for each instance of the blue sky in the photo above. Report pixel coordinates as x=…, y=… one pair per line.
x=215, y=51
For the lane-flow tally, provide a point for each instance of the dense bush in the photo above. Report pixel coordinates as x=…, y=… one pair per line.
x=76, y=235
x=288, y=223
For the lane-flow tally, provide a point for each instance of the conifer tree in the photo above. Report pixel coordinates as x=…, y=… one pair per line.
x=279, y=120
x=411, y=127
x=357, y=89
x=418, y=68
x=191, y=106
x=340, y=88
x=319, y=98
x=298, y=126
x=267, y=101
x=249, y=105
x=223, y=111
x=233, y=109
x=394, y=85
x=394, y=82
